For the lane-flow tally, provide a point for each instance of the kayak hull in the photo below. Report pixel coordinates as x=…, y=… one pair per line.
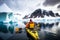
x=32, y=34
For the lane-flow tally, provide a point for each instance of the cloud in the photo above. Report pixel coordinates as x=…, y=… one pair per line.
x=20, y=4
x=5, y=8
x=51, y=2
x=58, y=6
x=28, y=6
x=1, y=2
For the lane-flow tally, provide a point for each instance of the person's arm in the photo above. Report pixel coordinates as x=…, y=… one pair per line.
x=27, y=25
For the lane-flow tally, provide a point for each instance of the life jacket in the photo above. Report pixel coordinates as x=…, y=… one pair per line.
x=31, y=25
x=27, y=25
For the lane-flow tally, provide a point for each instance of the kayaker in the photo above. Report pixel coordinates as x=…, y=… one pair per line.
x=31, y=32
x=30, y=25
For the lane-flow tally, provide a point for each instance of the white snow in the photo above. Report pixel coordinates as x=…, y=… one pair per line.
x=44, y=20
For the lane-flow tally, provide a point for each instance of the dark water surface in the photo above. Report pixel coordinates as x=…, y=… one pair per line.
x=44, y=35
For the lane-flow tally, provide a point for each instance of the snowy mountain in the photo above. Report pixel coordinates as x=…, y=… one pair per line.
x=42, y=13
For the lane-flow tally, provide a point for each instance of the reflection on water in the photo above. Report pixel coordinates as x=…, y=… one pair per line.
x=44, y=35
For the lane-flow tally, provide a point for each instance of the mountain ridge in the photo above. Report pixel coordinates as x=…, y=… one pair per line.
x=39, y=13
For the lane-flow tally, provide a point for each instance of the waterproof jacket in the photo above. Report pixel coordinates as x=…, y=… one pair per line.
x=30, y=25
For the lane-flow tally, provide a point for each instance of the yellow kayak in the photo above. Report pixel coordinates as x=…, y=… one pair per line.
x=34, y=34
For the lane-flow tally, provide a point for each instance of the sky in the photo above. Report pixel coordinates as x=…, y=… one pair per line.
x=28, y=6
